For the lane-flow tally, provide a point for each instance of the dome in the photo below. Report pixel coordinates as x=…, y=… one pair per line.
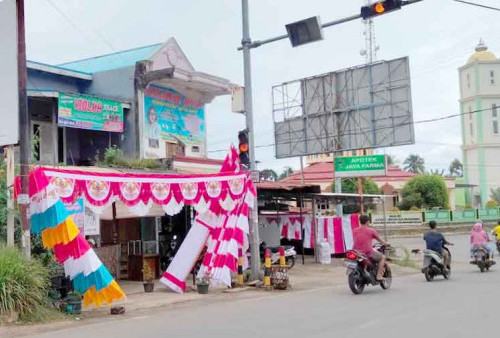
x=482, y=54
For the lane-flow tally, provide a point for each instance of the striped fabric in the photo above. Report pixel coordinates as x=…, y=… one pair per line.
x=336, y=231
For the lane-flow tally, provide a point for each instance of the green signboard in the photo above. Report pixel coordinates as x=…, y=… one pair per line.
x=360, y=166
x=87, y=112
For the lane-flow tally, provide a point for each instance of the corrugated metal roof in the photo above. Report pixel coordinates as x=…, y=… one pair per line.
x=126, y=58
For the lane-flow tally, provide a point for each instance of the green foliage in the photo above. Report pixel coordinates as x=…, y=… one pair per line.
x=23, y=283
x=414, y=164
x=414, y=208
x=4, y=211
x=495, y=194
x=492, y=204
x=268, y=175
x=424, y=191
x=437, y=172
x=114, y=157
x=456, y=168
x=287, y=171
x=350, y=186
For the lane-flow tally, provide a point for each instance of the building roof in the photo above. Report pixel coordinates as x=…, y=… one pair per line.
x=122, y=59
x=482, y=54
x=323, y=172
x=57, y=70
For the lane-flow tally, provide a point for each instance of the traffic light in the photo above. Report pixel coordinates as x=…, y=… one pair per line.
x=243, y=148
x=380, y=8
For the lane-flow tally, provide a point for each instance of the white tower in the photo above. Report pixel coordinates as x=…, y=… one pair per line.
x=479, y=99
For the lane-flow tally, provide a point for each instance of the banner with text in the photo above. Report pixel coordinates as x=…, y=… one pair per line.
x=171, y=116
x=86, y=112
x=398, y=219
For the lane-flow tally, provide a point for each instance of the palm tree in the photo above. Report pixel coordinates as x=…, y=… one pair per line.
x=456, y=168
x=437, y=172
x=287, y=171
x=414, y=164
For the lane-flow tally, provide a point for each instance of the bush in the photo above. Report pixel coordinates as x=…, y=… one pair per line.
x=114, y=157
x=414, y=208
x=492, y=204
x=425, y=191
x=23, y=283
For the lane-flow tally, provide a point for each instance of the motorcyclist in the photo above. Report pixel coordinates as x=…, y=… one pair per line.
x=363, y=237
x=479, y=239
x=496, y=233
x=435, y=241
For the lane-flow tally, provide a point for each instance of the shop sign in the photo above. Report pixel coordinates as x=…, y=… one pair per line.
x=92, y=113
x=360, y=166
x=398, y=219
x=171, y=116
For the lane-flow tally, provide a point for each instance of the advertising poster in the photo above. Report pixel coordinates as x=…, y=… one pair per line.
x=77, y=211
x=86, y=112
x=171, y=116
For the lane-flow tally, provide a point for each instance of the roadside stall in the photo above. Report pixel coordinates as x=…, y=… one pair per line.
x=220, y=200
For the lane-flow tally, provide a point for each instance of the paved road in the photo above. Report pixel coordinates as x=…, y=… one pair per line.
x=464, y=306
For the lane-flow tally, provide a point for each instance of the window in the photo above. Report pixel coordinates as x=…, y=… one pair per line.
x=470, y=114
x=471, y=126
x=492, y=77
x=468, y=81
x=494, y=112
x=495, y=127
x=195, y=149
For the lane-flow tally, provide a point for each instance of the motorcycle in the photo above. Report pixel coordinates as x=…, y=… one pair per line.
x=481, y=259
x=362, y=271
x=498, y=246
x=434, y=265
x=168, y=251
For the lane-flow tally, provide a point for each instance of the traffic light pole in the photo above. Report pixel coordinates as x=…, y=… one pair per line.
x=254, y=214
x=246, y=46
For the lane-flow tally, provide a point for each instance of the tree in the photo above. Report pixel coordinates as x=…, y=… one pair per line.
x=437, y=172
x=456, y=168
x=287, y=171
x=268, y=175
x=424, y=191
x=495, y=194
x=414, y=164
x=350, y=186
x=391, y=160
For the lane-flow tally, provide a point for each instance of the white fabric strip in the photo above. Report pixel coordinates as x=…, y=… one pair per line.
x=347, y=229
x=86, y=264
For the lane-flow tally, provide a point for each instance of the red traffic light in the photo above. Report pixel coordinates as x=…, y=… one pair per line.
x=379, y=8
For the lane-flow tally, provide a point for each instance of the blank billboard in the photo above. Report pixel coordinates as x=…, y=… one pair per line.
x=363, y=107
x=9, y=113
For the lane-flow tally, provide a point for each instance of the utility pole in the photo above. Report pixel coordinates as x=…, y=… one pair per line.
x=254, y=214
x=24, y=131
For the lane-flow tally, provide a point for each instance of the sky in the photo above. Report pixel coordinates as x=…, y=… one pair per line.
x=437, y=35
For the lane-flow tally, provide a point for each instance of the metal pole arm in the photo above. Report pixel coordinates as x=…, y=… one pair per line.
x=259, y=43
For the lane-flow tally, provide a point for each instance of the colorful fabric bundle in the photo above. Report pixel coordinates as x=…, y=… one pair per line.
x=51, y=219
x=225, y=226
x=337, y=231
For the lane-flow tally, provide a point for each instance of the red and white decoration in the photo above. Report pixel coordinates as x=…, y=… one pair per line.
x=337, y=231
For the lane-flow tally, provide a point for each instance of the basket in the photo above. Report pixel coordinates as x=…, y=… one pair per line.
x=279, y=277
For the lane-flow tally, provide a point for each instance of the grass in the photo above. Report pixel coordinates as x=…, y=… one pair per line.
x=43, y=314
x=406, y=261
x=23, y=283
x=114, y=157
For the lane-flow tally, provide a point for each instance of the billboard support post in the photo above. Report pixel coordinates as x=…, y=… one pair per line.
x=24, y=131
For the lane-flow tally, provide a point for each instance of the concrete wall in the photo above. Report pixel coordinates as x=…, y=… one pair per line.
x=118, y=84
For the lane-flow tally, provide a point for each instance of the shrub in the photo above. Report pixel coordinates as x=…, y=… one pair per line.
x=414, y=208
x=23, y=283
x=492, y=204
x=425, y=191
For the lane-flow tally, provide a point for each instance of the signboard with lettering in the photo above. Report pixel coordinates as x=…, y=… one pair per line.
x=360, y=166
x=87, y=112
x=398, y=219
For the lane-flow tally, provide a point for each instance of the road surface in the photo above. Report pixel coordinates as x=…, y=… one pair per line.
x=464, y=306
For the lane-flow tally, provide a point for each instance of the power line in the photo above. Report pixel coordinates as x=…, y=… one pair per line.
x=478, y=5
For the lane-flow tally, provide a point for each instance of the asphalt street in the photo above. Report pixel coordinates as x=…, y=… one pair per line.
x=464, y=306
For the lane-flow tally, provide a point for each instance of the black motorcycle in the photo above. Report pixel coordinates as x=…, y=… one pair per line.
x=481, y=258
x=362, y=271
